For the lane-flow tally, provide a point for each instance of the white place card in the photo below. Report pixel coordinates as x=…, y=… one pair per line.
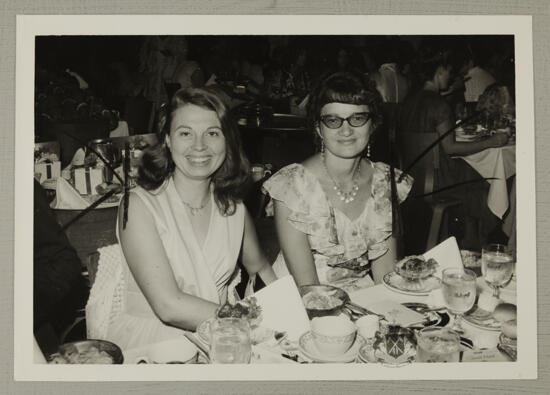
x=282, y=308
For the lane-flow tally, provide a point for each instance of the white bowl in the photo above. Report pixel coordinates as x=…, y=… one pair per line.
x=333, y=335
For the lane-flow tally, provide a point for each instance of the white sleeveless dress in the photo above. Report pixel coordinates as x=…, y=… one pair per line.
x=203, y=271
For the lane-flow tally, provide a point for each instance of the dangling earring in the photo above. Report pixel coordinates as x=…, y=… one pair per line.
x=322, y=146
x=368, y=150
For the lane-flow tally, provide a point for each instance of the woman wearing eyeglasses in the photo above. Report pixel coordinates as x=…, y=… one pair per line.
x=333, y=212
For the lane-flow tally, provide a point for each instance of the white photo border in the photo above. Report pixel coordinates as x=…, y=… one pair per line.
x=30, y=26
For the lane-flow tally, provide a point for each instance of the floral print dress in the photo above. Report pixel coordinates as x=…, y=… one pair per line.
x=342, y=248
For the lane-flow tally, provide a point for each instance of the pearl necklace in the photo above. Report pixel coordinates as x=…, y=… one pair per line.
x=346, y=197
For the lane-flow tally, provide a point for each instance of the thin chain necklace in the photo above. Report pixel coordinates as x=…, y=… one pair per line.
x=346, y=197
x=196, y=210
x=192, y=209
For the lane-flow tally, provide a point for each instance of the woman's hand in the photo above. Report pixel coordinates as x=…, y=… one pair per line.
x=384, y=264
x=499, y=139
x=295, y=247
x=253, y=258
x=149, y=265
x=459, y=148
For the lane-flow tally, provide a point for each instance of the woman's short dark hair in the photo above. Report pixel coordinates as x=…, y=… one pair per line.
x=229, y=180
x=343, y=87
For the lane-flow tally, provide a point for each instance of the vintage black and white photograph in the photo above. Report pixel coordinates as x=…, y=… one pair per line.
x=325, y=202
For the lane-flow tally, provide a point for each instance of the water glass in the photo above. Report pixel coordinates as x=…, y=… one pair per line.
x=497, y=266
x=459, y=293
x=437, y=345
x=230, y=341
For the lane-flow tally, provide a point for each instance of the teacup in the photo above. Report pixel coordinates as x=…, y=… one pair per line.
x=178, y=350
x=333, y=335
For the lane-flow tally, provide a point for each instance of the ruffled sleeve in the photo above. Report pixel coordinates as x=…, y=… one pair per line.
x=310, y=213
x=380, y=219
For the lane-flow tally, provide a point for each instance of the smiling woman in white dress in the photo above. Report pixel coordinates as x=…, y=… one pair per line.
x=186, y=226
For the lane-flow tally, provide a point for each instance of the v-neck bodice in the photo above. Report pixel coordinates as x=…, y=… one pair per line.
x=344, y=216
x=204, y=243
x=203, y=271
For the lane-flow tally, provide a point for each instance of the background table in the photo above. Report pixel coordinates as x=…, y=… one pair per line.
x=94, y=230
x=281, y=139
x=499, y=163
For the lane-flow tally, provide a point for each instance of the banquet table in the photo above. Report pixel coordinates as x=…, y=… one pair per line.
x=499, y=163
x=482, y=339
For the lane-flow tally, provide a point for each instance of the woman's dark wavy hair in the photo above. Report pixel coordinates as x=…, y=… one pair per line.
x=229, y=180
x=343, y=87
x=429, y=60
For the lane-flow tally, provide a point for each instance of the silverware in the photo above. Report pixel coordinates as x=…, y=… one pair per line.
x=280, y=337
x=355, y=308
x=199, y=345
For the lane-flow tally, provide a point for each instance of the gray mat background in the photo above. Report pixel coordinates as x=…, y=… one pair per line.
x=541, y=42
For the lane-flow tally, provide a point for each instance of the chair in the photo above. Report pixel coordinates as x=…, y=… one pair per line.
x=426, y=180
x=107, y=283
x=385, y=135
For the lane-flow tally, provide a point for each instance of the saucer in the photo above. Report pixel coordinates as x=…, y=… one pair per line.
x=307, y=346
x=482, y=319
x=396, y=283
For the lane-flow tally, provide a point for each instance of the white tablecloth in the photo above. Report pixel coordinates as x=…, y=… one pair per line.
x=498, y=163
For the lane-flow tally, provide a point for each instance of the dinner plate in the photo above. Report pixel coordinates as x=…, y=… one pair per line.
x=467, y=137
x=482, y=319
x=308, y=347
x=258, y=334
x=397, y=283
x=508, y=346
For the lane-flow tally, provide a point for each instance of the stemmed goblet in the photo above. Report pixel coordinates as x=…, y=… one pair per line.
x=497, y=266
x=459, y=293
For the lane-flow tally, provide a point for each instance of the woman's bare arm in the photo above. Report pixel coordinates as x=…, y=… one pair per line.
x=295, y=247
x=385, y=263
x=149, y=265
x=253, y=257
x=452, y=147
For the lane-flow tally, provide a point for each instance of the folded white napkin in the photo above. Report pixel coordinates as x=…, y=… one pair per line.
x=121, y=130
x=67, y=198
x=282, y=308
x=447, y=254
x=397, y=313
x=78, y=157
